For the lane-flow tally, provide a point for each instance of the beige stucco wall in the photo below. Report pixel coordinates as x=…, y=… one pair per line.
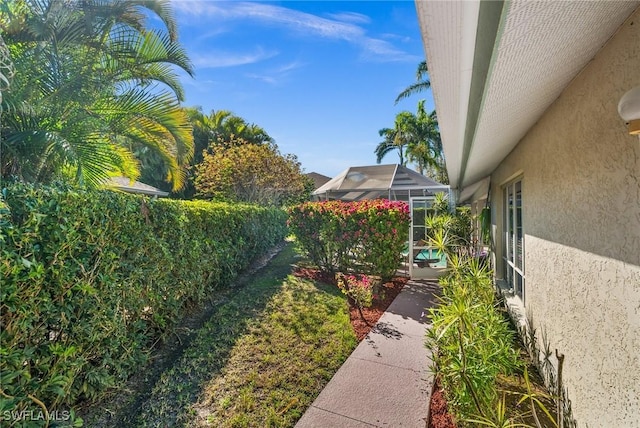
x=581, y=215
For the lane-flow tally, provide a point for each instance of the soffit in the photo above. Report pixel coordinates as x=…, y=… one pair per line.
x=448, y=35
x=540, y=47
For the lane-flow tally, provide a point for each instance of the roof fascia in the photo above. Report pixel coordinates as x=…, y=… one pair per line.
x=491, y=17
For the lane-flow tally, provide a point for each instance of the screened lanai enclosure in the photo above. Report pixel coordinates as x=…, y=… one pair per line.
x=394, y=182
x=398, y=183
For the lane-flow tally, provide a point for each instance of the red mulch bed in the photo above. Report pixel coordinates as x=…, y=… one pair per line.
x=439, y=413
x=390, y=290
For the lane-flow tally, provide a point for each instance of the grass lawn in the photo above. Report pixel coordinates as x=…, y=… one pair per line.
x=260, y=360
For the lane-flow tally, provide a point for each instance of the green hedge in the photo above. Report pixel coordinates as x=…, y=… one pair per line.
x=91, y=280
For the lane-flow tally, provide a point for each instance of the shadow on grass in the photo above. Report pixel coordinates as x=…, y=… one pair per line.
x=159, y=394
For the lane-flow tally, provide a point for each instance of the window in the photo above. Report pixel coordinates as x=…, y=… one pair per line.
x=514, y=238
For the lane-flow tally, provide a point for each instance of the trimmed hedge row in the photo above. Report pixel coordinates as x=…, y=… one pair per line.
x=365, y=236
x=91, y=280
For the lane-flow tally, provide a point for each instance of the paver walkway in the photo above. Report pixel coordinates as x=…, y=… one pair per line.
x=386, y=381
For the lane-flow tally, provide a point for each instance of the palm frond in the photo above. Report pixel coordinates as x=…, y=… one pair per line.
x=97, y=158
x=147, y=47
x=421, y=85
x=154, y=120
x=382, y=149
x=412, y=89
x=91, y=77
x=423, y=71
x=162, y=9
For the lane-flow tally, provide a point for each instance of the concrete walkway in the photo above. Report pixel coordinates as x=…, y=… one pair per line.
x=386, y=381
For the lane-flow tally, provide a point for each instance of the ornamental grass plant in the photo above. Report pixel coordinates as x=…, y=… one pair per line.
x=471, y=340
x=474, y=346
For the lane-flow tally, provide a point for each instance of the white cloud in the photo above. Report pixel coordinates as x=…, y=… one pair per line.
x=383, y=51
x=211, y=33
x=343, y=26
x=278, y=74
x=263, y=77
x=286, y=68
x=270, y=14
x=353, y=17
x=217, y=59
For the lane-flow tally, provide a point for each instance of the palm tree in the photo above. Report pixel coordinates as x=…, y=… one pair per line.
x=92, y=84
x=396, y=138
x=222, y=126
x=218, y=129
x=421, y=85
x=426, y=149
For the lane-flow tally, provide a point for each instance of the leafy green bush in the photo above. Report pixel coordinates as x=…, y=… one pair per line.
x=92, y=280
x=472, y=343
x=365, y=236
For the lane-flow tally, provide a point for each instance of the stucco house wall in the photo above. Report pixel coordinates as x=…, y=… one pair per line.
x=580, y=174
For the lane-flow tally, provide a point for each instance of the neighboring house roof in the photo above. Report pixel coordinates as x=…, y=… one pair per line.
x=318, y=179
x=495, y=67
x=126, y=185
x=378, y=181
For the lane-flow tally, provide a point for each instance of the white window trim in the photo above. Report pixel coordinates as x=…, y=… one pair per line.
x=508, y=242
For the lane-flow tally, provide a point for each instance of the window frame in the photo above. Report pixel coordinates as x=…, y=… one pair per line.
x=514, y=237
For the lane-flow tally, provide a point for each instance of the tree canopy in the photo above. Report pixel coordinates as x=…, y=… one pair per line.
x=213, y=131
x=251, y=173
x=397, y=138
x=92, y=85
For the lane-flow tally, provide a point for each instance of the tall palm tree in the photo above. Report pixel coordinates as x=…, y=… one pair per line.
x=396, y=138
x=421, y=85
x=92, y=83
x=426, y=149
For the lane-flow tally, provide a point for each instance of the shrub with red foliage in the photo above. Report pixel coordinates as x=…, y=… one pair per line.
x=364, y=236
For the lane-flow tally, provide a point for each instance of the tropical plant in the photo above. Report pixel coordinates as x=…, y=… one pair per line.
x=417, y=140
x=218, y=129
x=397, y=138
x=92, y=85
x=425, y=150
x=223, y=128
x=471, y=341
x=504, y=416
x=6, y=69
x=421, y=85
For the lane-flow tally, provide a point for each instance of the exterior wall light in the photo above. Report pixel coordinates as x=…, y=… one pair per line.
x=629, y=110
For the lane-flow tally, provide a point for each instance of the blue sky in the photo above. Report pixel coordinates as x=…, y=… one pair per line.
x=320, y=77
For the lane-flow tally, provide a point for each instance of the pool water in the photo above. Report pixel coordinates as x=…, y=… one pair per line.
x=432, y=253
